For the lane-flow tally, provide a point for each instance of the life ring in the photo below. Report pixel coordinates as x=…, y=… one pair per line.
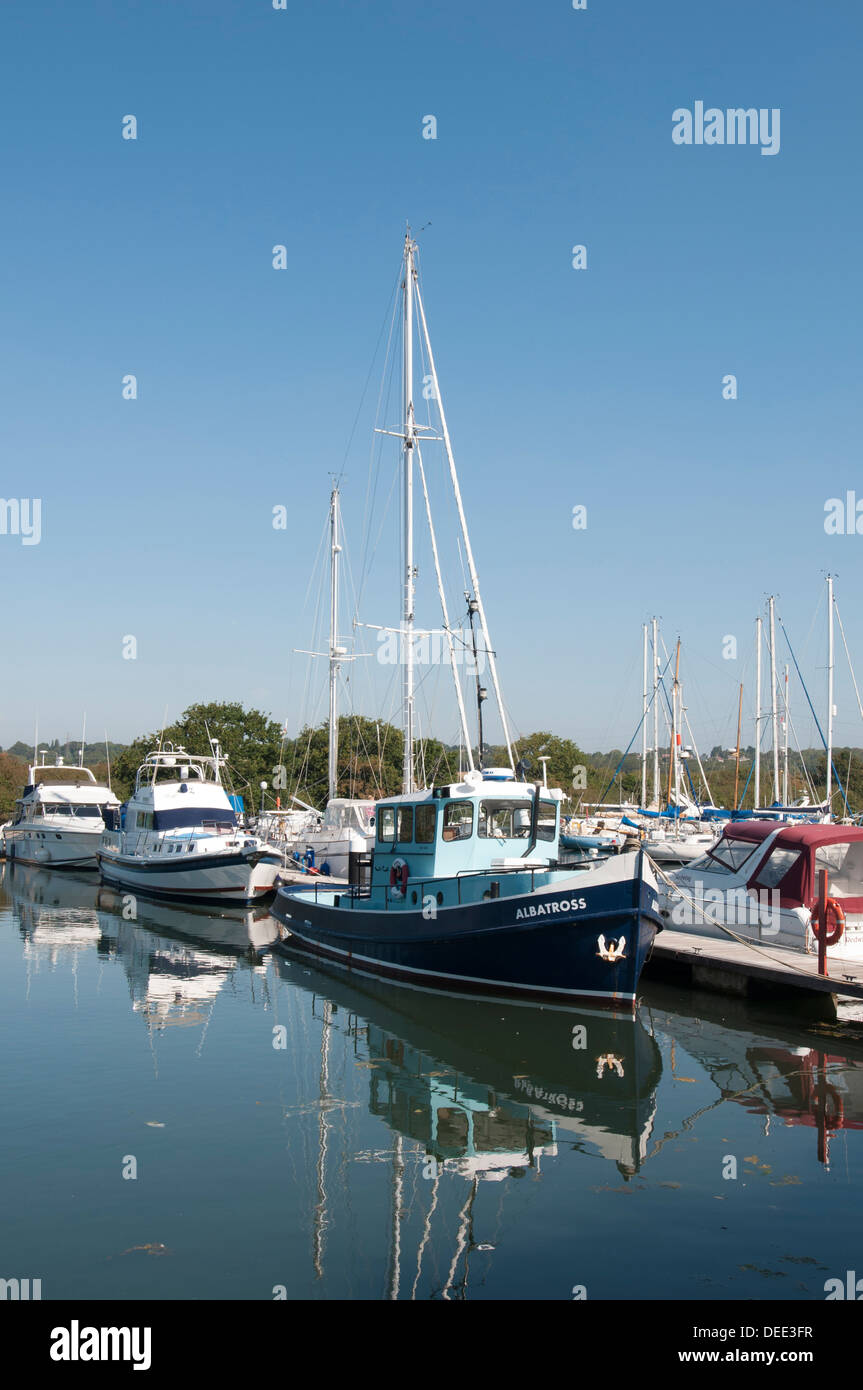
x=399, y=876
x=834, y=1108
x=832, y=911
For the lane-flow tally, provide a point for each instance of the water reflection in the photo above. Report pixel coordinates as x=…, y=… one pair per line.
x=399, y=1137
x=488, y=1087
x=805, y=1076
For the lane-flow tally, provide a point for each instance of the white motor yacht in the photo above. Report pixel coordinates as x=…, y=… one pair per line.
x=59, y=818
x=178, y=836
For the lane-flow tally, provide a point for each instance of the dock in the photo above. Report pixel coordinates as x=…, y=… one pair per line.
x=731, y=967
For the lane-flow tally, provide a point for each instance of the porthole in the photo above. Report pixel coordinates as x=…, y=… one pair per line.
x=440, y=899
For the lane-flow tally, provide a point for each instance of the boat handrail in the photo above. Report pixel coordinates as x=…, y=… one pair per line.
x=356, y=892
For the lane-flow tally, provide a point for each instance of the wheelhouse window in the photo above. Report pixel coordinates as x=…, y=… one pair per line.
x=425, y=825
x=458, y=820
x=547, y=824
x=386, y=825
x=405, y=825
x=504, y=820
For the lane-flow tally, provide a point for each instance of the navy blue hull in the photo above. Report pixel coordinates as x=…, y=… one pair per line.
x=540, y=945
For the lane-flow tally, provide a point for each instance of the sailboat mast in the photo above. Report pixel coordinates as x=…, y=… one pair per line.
x=774, y=710
x=474, y=577
x=785, y=770
x=644, y=719
x=409, y=576
x=758, y=710
x=829, y=690
x=335, y=651
x=655, y=716
x=737, y=755
x=673, y=776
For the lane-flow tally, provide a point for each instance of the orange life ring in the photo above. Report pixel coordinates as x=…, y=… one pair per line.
x=399, y=875
x=833, y=911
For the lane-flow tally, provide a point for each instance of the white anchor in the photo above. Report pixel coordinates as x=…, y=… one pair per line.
x=610, y=1061
x=614, y=951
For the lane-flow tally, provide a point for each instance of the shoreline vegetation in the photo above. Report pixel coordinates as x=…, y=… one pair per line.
x=370, y=763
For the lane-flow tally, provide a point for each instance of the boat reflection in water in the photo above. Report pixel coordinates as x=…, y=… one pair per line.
x=56, y=912
x=61, y=914
x=801, y=1077
x=177, y=958
x=488, y=1087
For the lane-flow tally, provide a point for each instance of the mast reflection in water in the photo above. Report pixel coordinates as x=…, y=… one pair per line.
x=303, y=1131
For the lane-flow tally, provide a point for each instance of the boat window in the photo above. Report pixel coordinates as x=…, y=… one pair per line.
x=458, y=820
x=386, y=825
x=844, y=865
x=777, y=865
x=728, y=856
x=425, y=825
x=504, y=820
x=547, y=825
x=406, y=824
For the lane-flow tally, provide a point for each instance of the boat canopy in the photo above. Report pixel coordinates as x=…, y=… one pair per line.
x=797, y=853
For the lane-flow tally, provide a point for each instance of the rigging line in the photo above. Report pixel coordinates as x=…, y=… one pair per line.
x=376, y=445
x=445, y=612
x=814, y=716
x=394, y=301
x=848, y=654
x=809, y=781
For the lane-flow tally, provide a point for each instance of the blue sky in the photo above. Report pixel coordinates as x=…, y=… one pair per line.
x=600, y=387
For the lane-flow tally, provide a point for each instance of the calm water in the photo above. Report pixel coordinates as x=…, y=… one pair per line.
x=399, y=1144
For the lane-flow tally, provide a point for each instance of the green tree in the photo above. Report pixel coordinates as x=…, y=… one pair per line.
x=13, y=779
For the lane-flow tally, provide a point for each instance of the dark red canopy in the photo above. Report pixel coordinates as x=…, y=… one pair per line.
x=799, y=884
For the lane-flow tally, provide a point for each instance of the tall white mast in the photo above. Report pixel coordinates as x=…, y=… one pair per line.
x=474, y=578
x=774, y=711
x=785, y=770
x=336, y=652
x=758, y=710
x=409, y=576
x=655, y=717
x=644, y=719
x=829, y=690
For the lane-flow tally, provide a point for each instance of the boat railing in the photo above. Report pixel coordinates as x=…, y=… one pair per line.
x=354, y=893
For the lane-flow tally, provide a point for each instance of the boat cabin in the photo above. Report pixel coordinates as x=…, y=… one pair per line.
x=788, y=860
x=178, y=791
x=471, y=826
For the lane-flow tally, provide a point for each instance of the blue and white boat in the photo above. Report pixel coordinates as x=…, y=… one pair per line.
x=466, y=894
x=466, y=891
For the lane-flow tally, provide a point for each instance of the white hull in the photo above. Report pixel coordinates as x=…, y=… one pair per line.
x=232, y=878
x=52, y=848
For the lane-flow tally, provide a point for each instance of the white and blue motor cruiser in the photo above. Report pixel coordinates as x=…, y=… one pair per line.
x=179, y=836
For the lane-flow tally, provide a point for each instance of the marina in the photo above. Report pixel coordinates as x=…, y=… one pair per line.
x=431, y=742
